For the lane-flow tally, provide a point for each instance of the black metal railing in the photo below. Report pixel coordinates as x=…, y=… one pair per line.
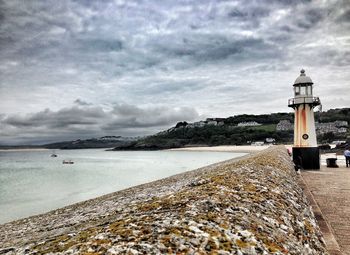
x=304, y=100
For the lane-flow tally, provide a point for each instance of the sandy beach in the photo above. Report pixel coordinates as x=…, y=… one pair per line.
x=226, y=148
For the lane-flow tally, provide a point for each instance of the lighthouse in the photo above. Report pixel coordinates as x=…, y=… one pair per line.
x=306, y=154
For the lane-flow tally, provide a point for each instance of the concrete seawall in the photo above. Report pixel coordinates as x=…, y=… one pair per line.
x=253, y=205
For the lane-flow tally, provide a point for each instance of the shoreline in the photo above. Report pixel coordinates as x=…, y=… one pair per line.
x=74, y=216
x=24, y=149
x=225, y=148
x=220, y=148
x=181, y=164
x=216, y=208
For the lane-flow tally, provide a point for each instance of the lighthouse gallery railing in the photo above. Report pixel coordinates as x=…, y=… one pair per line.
x=304, y=100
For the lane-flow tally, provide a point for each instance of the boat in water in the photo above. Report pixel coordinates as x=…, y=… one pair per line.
x=67, y=162
x=53, y=154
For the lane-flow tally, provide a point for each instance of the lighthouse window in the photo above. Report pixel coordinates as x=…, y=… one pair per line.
x=303, y=90
x=297, y=90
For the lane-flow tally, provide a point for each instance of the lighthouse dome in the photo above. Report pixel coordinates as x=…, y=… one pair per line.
x=302, y=79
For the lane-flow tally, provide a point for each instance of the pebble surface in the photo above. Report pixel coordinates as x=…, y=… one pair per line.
x=249, y=206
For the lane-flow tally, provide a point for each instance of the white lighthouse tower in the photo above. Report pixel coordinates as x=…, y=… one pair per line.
x=306, y=154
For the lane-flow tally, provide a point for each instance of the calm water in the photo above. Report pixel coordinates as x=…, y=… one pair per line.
x=31, y=182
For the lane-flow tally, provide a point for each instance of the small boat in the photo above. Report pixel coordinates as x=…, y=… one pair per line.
x=53, y=154
x=67, y=162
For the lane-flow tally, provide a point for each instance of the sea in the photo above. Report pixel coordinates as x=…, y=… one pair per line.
x=33, y=182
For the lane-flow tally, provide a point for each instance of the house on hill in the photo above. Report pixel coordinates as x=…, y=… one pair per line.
x=199, y=124
x=284, y=125
x=336, y=127
x=215, y=121
x=248, y=124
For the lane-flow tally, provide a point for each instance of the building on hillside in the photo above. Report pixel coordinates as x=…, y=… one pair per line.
x=216, y=119
x=257, y=143
x=270, y=140
x=340, y=123
x=219, y=121
x=284, y=125
x=199, y=124
x=336, y=127
x=248, y=124
x=338, y=142
x=212, y=122
x=110, y=138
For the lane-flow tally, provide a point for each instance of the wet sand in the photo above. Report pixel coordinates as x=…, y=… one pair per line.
x=226, y=148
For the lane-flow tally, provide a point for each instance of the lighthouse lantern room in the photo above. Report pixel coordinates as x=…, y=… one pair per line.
x=306, y=154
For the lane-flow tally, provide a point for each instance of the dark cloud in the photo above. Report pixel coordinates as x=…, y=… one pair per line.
x=63, y=118
x=169, y=53
x=131, y=116
x=89, y=121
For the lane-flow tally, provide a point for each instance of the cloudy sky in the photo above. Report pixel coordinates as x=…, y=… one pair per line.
x=79, y=69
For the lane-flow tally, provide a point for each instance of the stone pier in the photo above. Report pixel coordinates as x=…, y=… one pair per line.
x=330, y=190
x=253, y=205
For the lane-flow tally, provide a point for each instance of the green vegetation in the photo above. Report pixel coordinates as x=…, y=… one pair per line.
x=333, y=115
x=267, y=127
x=228, y=133
x=273, y=118
x=330, y=137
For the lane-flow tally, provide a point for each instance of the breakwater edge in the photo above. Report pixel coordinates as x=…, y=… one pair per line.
x=252, y=205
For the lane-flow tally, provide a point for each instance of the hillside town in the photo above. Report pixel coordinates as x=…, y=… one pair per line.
x=336, y=127
x=252, y=129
